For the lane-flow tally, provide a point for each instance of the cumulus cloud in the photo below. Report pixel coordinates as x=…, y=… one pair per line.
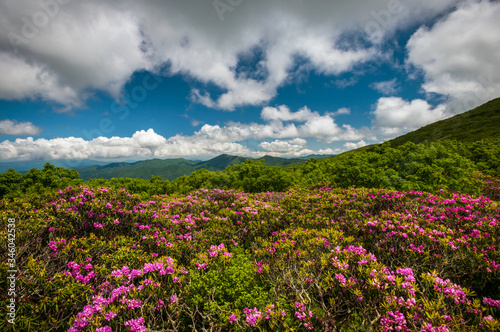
x=21, y=80
x=63, y=53
x=288, y=129
x=284, y=146
x=283, y=113
x=323, y=128
x=81, y=47
x=390, y=87
x=352, y=145
x=142, y=144
x=394, y=115
x=280, y=122
x=459, y=55
x=9, y=127
x=343, y=110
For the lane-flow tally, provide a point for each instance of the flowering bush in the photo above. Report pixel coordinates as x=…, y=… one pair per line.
x=322, y=259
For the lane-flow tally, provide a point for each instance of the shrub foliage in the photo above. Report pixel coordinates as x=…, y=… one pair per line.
x=317, y=259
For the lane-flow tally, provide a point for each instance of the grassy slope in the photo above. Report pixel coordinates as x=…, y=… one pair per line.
x=474, y=125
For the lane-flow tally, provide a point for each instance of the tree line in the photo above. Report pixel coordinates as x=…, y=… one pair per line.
x=430, y=166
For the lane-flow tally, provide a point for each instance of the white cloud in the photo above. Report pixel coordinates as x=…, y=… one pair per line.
x=282, y=113
x=322, y=128
x=343, y=110
x=84, y=47
x=298, y=141
x=210, y=140
x=460, y=54
x=142, y=144
x=87, y=46
x=390, y=87
x=352, y=145
x=196, y=123
x=9, y=127
x=21, y=80
x=344, y=83
x=394, y=115
x=282, y=123
x=340, y=111
x=284, y=146
x=148, y=139
x=326, y=151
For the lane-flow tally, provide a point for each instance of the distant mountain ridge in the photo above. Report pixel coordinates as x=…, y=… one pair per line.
x=170, y=169
x=25, y=166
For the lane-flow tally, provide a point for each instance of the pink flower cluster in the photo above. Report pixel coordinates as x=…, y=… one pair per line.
x=97, y=309
x=104, y=329
x=76, y=271
x=302, y=314
x=253, y=316
x=136, y=325
x=53, y=246
x=429, y=328
x=400, y=301
x=233, y=319
x=491, y=302
x=125, y=272
x=395, y=321
x=212, y=253
x=452, y=291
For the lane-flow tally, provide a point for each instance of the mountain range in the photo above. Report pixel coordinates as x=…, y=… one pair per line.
x=170, y=169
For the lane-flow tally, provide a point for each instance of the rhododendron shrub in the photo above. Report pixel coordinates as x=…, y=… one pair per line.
x=323, y=259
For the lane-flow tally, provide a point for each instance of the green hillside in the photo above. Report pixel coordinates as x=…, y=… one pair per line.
x=482, y=122
x=170, y=169
x=219, y=163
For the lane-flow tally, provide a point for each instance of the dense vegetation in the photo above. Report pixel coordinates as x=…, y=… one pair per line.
x=298, y=256
x=322, y=259
x=448, y=165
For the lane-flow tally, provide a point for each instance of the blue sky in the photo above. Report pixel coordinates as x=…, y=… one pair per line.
x=127, y=80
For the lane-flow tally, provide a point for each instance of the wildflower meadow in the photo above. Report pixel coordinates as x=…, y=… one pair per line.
x=324, y=259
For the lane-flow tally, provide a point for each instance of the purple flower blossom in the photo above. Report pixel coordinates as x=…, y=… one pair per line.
x=490, y=302
x=253, y=315
x=232, y=319
x=136, y=325
x=109, y=315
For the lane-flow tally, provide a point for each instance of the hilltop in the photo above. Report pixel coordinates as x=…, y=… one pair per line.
x=482, y=122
